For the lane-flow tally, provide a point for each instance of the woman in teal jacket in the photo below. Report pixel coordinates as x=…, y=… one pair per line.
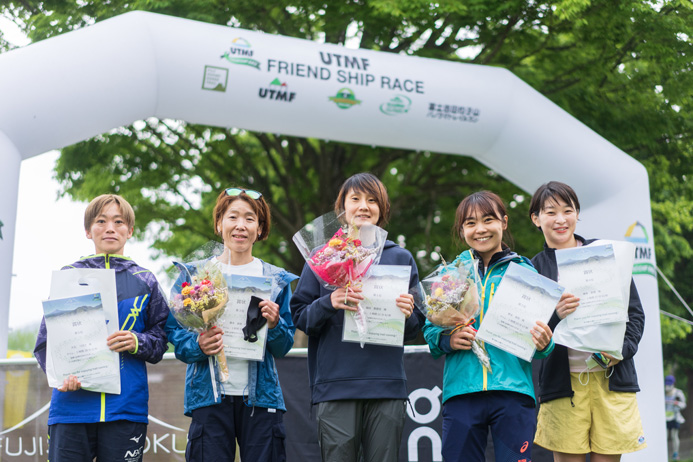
x=474, y=398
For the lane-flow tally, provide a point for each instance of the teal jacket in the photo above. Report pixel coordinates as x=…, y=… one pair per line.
x=463, y=372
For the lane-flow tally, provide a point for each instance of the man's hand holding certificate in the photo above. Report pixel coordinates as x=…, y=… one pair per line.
x=71, y=330
x=80, y=355
x=523, y=298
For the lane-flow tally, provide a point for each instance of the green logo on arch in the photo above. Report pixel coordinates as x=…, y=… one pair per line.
x=345, y=98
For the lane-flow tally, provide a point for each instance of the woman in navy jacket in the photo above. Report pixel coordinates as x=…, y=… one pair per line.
x=360, y=392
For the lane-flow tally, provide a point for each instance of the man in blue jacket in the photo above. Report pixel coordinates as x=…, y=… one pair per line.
x=83, y=424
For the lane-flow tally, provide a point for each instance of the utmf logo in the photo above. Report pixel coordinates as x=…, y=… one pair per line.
x=345, y=98
x=240, y=52
x=277, y=91
x=637, y=234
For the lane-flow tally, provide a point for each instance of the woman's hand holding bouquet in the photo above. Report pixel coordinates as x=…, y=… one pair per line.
x=198, y=300
x=452, y=300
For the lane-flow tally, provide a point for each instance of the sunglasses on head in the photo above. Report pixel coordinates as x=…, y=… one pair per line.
x=248, y=192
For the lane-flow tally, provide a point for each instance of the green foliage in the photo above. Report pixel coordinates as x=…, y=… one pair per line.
x=676, y=337
x=673, y=330
x=621, y=67
x=23, y=339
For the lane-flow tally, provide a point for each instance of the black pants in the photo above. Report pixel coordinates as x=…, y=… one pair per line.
x=214, y=430
x=118, y=441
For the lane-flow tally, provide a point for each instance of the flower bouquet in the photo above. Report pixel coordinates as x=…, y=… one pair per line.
x=340, y=254
x=198, y=300
x=452, y=300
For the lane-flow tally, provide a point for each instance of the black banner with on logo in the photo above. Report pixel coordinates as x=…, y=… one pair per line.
x=26, y=398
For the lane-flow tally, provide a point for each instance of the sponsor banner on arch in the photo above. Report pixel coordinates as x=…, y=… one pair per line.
x=352, y=83
x=644, y=251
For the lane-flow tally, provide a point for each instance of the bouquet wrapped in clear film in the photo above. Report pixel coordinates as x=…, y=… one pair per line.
x=451, y=299
x=198, y=300
x=340, y=254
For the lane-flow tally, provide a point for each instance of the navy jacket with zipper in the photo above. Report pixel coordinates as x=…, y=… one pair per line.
x=341, y=370
x=554, y=371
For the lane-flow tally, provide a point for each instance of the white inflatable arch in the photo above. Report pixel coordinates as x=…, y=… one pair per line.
x=72, y=87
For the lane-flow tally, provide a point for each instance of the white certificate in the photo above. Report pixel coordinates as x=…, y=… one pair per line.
x=624, y=252
x=85, y=281
x=241, y=288
x=77, y=329
x=590, y=273
x=523, y=298
x=384, y=319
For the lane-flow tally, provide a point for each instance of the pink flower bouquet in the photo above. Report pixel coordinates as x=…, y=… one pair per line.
x=341, y=254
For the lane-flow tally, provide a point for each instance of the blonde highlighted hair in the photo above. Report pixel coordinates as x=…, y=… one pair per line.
x=97, y=205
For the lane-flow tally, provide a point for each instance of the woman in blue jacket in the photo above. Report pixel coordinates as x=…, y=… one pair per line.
x=248, y=406
x=360, y=392
x=474, y=398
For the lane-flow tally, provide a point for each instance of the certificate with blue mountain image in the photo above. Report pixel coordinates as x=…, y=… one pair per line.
x=77, y=329
x=235, y=317
x=384, y=321
x=590, y=273
x=523, y=297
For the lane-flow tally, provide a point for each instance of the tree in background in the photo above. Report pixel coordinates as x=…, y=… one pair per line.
x=22, y=339
x=622, y=68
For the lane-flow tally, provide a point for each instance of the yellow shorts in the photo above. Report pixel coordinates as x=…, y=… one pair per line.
x=601, y=421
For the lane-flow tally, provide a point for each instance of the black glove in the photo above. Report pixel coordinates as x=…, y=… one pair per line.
x=254, y=320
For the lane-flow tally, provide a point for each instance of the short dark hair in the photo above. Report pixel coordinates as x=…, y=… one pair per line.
x=487, y=203
x=369, y=184
x=552, y=191
x=259, y=206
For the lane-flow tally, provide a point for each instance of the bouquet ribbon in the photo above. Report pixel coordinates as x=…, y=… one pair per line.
x=462, y=325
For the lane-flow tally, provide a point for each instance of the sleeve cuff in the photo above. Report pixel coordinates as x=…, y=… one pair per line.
x=546, y=351
x=137, y=343
x=444, y=343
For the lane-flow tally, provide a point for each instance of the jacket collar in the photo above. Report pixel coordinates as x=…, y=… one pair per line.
x=503, y=255
x=506, y=252
x=109, y=260
x=579, y=238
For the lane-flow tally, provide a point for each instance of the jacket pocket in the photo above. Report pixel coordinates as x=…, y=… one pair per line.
x=624, y=377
